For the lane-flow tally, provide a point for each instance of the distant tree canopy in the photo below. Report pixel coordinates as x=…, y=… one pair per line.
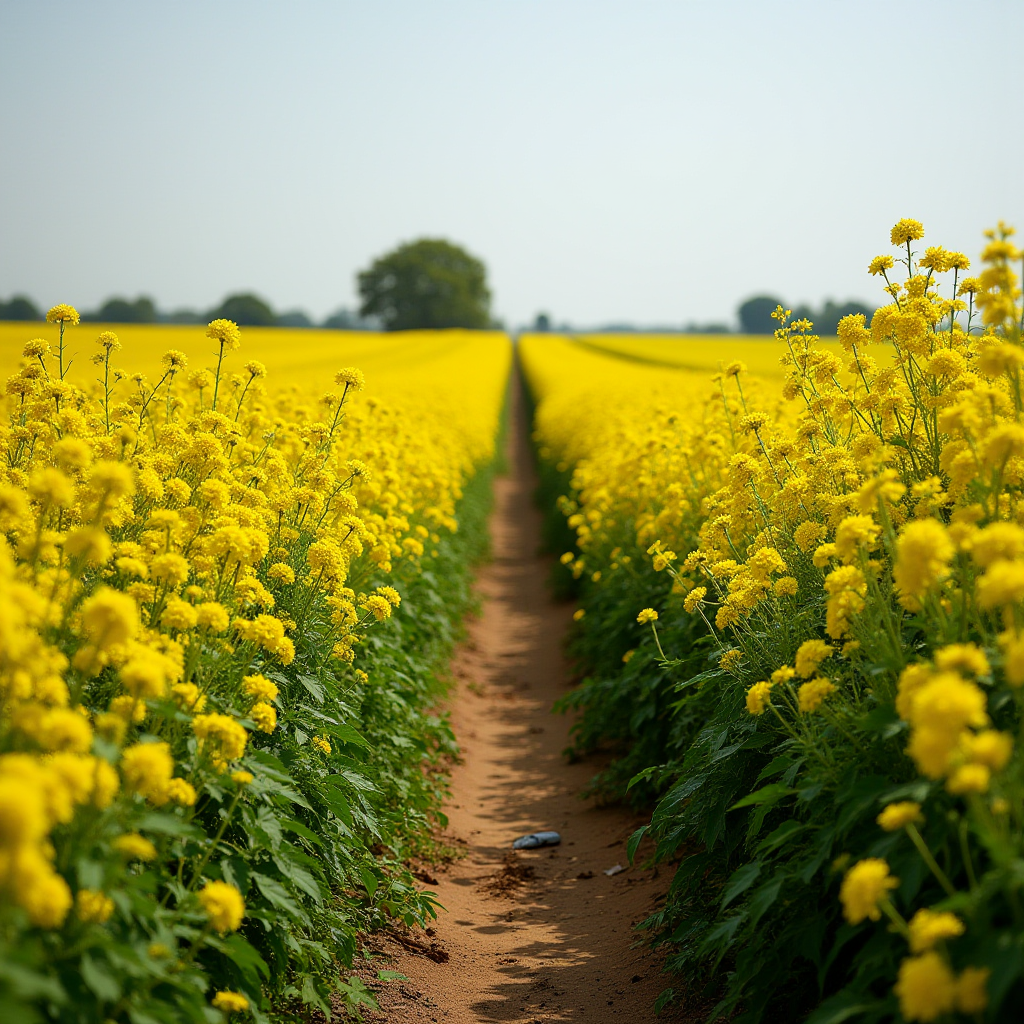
x=827, y=320
x=293, y=318
x=121, y=311
x=756, y=314
x=429, y=283
x=19, y=308
x=246, y=309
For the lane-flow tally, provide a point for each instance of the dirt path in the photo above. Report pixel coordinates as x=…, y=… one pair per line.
x=543, y=935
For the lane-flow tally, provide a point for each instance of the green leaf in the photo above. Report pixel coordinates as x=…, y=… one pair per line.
x=391, y=976
x=370, y=881
x=357, y=994
x=770, y=794
x=740, y=881
x=780, y=836
x=99, y=980
x=245, y=957
x=641, y=776
x=276, y=894
x=634, y=842
x=346, y=734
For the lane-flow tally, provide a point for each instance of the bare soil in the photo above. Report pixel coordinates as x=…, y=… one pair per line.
x=541, y=935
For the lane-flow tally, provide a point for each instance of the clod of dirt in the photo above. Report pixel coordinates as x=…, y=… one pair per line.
x=434, y=951
x=425, y=877
x=585, y=874
x=510, y=878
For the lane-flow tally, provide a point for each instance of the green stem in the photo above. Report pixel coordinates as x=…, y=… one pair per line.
x=926, y=856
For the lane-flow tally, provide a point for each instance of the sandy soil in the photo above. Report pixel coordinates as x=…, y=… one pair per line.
x=541, y=935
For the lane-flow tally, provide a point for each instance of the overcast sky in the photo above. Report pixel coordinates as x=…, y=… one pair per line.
x=654, y=162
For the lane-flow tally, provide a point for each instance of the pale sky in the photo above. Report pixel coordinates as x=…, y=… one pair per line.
x=653, y=162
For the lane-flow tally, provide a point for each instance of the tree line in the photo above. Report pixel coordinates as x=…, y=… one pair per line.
x=429, y=283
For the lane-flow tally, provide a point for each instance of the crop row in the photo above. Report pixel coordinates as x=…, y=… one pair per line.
x=222, y=608
x=802, y=618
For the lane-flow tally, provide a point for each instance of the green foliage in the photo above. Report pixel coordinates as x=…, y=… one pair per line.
x=318, y=845
x=430, y=283
x=756, y=314
x=121, y=311
x=246, y=310
x=762, y=823
x=20, y=307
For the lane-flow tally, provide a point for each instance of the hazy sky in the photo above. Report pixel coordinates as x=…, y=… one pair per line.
x=630, y=160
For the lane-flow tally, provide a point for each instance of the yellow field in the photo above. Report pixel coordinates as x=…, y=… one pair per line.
x=701, y=352
x=292, y=356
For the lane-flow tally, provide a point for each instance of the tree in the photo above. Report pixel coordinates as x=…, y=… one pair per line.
x=19, y=308
x=828, y=319
x=121, y=311
x=756, y=315
x=294, y=318
x=542, y=323
x=246, y=309
x=429, y=283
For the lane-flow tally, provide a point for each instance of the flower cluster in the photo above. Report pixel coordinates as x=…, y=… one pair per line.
x=168, y=549
x=850, y=535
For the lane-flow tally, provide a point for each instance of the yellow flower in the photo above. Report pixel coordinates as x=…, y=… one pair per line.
x=231, y=1002
x=1002, y=584
x=694, y=599
x=50, y=486
x=880, y=264
x=181, y=792
x=972, y=990
x=93, y=906
x=221, y=736
x=854, y=533
x=989, y=747
x=646, y=616
x=225, y=332
x=178, y=615
x=223, y=905
x=147, y=769
x=927, y=927
x=807, y=534
x=43, y=894
x=896, y=816
x=281, y=572
x=923, y=553
x=265, y=716
x=812, y=694
x=109, y=618
x=241, y=778
x=967, y=659
x=379, y=606
x=321, y=743
x=864, y=886
x=810, y=655
x=213, y=616
x=939, y=712
x=259, y=688
x=925, y=987
x=351, y=378
x=969, y=778
x=23, y=821
x=997, y=541
x=906, y=230
x=578, y=615
x=62, y=314
x=759, y=697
